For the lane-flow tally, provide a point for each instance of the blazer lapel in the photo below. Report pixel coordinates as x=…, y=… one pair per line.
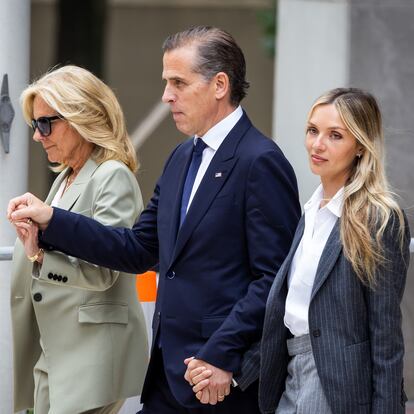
x=71, y=195
x=328, y=258
x=56, y=185
x=216, y=175
x=284, y=269
x=182, y=167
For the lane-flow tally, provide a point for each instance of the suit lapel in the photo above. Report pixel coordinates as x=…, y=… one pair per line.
x=71, y=195
x=206, y=193
x=56, y=185
x=328, y=258
x=183, y=161
x=284, y=269
x=216, y=175
x=275, y=306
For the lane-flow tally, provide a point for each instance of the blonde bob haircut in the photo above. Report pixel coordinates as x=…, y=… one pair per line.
x=369, y=205
x=89, y=106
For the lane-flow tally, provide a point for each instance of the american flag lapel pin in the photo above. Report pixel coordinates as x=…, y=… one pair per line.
x=218, y=174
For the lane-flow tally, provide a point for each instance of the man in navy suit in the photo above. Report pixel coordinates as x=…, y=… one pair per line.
x=219, y=224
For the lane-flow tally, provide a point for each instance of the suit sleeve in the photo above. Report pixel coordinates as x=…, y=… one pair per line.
x=118, y=248
x=387, y=345
x=272, y=212
x=117, y=202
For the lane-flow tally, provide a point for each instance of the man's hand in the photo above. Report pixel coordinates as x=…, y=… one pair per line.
x=199, y=377
x=28, y=206
x=210, y=384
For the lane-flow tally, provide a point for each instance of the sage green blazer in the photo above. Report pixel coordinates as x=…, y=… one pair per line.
x=88, y=318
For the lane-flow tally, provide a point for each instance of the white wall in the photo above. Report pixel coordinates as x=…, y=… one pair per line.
x=14, y=60
x=311, y=57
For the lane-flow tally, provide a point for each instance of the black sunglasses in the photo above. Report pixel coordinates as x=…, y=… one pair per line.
x=44, y=124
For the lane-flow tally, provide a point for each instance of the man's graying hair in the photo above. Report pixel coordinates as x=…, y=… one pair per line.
x=217, y=52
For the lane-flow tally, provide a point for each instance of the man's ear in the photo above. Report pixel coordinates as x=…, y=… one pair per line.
x=222, y=85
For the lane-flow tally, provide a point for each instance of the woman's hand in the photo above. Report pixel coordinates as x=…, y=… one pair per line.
x=27, y=232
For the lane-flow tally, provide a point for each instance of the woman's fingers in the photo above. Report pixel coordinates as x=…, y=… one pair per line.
x=201, y=385
x=199, y=374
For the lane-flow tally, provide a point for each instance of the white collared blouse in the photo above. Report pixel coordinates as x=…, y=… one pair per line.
x=319, y=223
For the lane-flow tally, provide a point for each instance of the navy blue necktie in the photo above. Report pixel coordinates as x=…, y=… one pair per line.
x=191, y=175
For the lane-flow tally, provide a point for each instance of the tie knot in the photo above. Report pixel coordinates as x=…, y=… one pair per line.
x=199, y=146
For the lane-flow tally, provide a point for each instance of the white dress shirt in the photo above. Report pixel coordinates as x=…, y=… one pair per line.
x=59, y=193
x=214, y=137
x=319, y=223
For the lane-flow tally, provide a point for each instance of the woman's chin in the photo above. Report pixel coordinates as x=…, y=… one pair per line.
x=315, y=170
x=53, y=160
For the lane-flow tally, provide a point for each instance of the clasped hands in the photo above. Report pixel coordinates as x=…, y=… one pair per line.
x=27, y=206
x=210, y=384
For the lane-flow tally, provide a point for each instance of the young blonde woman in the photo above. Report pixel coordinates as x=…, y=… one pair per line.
x=332, y=340
x=79, y=333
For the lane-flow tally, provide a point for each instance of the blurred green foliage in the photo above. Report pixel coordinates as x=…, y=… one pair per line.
x=267, y=20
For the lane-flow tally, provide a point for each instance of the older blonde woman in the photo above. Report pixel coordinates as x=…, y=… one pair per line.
x=79, y=333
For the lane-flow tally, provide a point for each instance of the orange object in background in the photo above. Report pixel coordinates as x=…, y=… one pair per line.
x=146, y=284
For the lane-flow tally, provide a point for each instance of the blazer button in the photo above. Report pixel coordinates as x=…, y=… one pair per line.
x=64, y=279
x=59, y=278
x=37, y=297
x=171, y=275
x=55, y=277
x=316, y=333
x=50, y=275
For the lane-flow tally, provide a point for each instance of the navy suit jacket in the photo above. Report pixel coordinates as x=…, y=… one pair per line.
x=355, y=331
x=217, y=269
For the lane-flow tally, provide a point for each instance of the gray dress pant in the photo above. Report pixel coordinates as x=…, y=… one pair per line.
x=303, y=391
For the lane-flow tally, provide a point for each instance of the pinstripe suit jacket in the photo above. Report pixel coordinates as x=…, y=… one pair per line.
x=355, y=332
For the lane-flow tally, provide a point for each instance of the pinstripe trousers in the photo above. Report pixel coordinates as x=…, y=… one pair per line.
x=303, y=392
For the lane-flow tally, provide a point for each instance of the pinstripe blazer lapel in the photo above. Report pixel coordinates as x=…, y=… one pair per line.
x=328, y=258
x=249, y=371
x=284, y=269
x=275, y=307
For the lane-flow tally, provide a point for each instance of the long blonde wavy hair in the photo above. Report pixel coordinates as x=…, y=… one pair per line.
x=369, y=205
x=89, y=106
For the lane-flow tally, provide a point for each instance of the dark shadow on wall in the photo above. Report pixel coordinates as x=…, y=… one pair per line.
x=81, y=28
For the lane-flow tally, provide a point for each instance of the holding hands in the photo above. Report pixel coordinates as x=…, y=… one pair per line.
x=210, y=384
x=28, y=206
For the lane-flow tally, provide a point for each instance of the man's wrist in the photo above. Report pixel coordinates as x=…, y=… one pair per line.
x=43, y=226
